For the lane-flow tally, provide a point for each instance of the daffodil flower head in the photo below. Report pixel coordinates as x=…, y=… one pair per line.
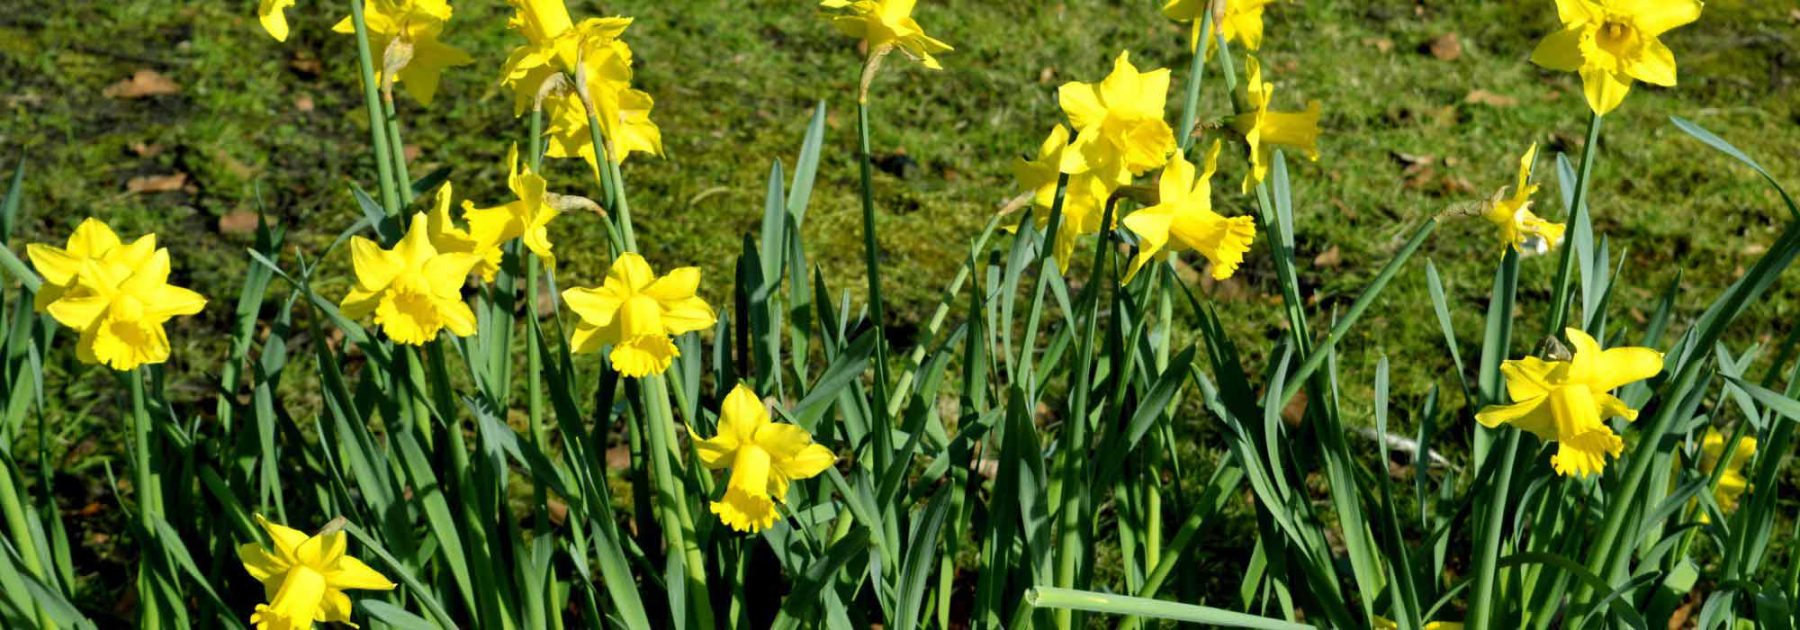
x=1264, y=129
x=304, y=577
x=1612, y=43
x=1084, y=198
x=886, y=25
x=415, y=24
x=1242, y=21
x=1120, y=131
x=1519, y=228
x=273, y=16
x=635, y=313
x=92, y=240
x=120, y=311
x=449, y=238
x=527, y=217
x=1732, y=482
x=1183, y=220
x=414, y=290
x=1568, y=401
x=554, y=43
x=764, y=457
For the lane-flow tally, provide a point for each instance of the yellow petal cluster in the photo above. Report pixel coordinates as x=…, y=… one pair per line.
x=527, y=217
x=414, y=290
x=1518, y=227
x=1612, y=43
x=116, y=295
x=1568, y=402
x=764, y=457
x=273, y=16
x=1264, y=129
x=304, y=577
x=415, y=24
x=1183, y=220
x=1084, y=199
x=558, y=52
x=1241, y=23
x=886, y=25
x=636, y=313
x=1732, y=482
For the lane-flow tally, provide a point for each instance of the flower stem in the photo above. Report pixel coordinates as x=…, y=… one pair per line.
x=149, y=500
x=877, y=311
x=378, y=133
x=1190, y=107
x=678, y=523
x=23, y=541
x=1565, y=276
x=1481, y=601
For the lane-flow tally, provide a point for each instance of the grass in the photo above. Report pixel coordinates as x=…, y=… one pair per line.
x=735, y=81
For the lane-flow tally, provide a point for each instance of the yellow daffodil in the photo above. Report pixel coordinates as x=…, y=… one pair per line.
x=92, y=240
x=304, y=577
x=764, y=457
x=1263, y=130
x=414, y=290
x=526, y=218
x=1242, y=21
x=1519, y=227
x=554, y=43
x=1732, y=482
x=1084, y=199
x=416, y=24
x=120, y=310
x=886, y=25
x=636, y=312
x=273, y=15
x=1568, y=401
x=1119, y=123
x=1614, y=42
x=1183, y=220
x=449, y=238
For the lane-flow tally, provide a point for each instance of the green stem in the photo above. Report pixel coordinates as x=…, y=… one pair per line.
x=614, y=183
x=1072, y=517
x=1481, y=602
x=396, y=148
x=534, y=398
x=871, y=253
x=678, y=523
x=1565, y=270
x=149, y=501
x=1190, y=107
x=378, y=135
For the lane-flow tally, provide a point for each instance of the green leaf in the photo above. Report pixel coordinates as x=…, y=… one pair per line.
x=1105, y=603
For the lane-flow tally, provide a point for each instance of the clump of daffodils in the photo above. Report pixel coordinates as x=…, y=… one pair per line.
x=116, y=295
x=1568, y=399
x=573, y=71
x=304, y=577
x=764, y=457
x=636, y=313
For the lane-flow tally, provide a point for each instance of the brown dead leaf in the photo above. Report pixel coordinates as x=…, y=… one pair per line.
x=143, y=83
x=304, y=103
x=1295, y=410
x=618, y=458
x=1446, y=47
x=1047, y=75
x=1331, y=257
x=1484, y=97
x=239, y=221
x=1382, y=44
x=141, y=149
x=156, y=183
x=306, y=65
x=412, y=152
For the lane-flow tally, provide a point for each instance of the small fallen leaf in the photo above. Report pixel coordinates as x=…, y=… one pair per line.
x=1331, y=257
x=1446, y=47
x=412, y=152
x=1382, y=44
x=1484, y=97
x=1047, y=75
x=141, y=149
x=143, y=83
x=239, y=221
x=304, y=103
x=156, y=183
